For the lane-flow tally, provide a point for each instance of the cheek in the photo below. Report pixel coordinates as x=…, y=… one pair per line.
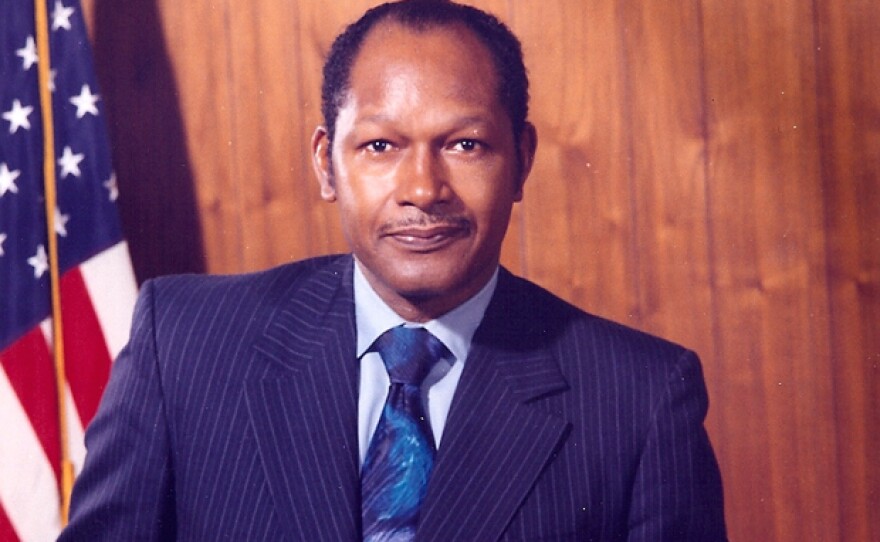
x=360, y=210
x=362, y=188
x=356, y=228
x=489, y=198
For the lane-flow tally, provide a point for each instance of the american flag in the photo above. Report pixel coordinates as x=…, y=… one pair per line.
x=96, y=281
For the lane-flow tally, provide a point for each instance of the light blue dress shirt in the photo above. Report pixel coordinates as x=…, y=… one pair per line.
x=455, y=329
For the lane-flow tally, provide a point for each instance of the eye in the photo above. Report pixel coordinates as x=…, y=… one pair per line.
x=378, y=146
x=467, y=145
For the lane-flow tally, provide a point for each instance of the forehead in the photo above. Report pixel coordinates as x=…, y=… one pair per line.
x=447, y=60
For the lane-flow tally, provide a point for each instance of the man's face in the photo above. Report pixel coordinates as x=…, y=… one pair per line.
x=425, y=168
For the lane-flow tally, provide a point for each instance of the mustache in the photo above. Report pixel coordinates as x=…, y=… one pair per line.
x=427, y=220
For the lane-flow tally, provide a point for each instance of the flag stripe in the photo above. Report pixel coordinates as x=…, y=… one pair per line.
x=112, y=299
x=28, y=485
x=7, y=533
x=31, y=375
x=87, y=358
x=75, y=434
x=31, y=348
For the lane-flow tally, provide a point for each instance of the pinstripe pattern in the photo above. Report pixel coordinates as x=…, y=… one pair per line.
x=232, y=414
x=594, y=433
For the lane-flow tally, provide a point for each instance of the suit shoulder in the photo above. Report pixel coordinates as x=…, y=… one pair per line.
x=211, y=317
x=544, y=313
x=278, y=281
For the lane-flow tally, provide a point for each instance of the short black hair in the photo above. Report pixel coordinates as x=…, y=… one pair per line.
x=504, y=47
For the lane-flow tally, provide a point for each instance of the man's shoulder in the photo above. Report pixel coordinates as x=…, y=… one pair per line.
x=536, y=314
x=292, y=270
x=196, y=295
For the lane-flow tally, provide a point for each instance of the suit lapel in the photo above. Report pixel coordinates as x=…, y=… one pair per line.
x=496, y=441
x=303, y=408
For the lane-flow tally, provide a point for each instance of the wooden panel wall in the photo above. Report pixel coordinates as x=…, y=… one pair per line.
x=707, y=170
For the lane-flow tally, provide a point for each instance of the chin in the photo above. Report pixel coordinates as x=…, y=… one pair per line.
x=420, y=287
x=424, y=283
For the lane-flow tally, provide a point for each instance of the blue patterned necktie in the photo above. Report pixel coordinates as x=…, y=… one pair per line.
x=400, y=457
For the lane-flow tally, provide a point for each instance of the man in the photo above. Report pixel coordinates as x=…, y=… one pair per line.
x=255, y=408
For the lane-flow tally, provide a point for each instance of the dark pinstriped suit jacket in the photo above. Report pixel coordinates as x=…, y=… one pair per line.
x=232, y=415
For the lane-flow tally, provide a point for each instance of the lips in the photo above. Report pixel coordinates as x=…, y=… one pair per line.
x=428, y=238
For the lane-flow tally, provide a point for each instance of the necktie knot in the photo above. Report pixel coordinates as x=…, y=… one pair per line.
x=409, y=353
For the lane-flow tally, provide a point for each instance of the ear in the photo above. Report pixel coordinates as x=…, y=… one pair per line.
x=526, y=146
x=322, y=165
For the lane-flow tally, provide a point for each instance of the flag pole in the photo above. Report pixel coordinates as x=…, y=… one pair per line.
x=44, y=75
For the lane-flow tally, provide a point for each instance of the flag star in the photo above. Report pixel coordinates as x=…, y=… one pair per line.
x=7, y=180
x=85, y=102
x=52, y=75
x=18, y=116
x=112, y=187
x=69, y=163
x=39, y=261
x=61, y=16
x=28, y=54
x=61, y=223
x=2, y=240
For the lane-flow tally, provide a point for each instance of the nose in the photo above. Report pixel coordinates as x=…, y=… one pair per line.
x=423, y=181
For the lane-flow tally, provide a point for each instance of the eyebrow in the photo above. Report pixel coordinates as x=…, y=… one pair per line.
x=457, y=124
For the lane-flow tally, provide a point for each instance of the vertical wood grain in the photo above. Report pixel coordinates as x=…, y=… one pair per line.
x=268, y=145
x=849, y=78
x=666, y=140
x=768, y=249
x=577, y=206
x=203, y=81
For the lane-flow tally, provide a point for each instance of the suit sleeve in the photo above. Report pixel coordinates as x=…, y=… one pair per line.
x=126, y=488
x=677, y=493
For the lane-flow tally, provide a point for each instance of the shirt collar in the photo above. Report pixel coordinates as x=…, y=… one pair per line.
x=455, y=329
